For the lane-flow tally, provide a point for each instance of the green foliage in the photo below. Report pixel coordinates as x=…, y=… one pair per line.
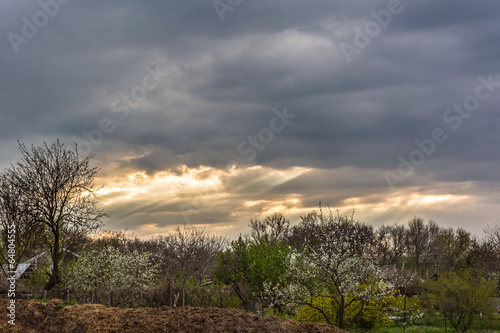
x=72, y=302
x=44, y=299
x=233, y=263
x=321, y=307
x=486, y=324
x=367, y=313
x=460, y=297
x=255, y=269
x=336, y=264
x=38, y=278
x=372, y=311
x=269, y=263
x=413, y=310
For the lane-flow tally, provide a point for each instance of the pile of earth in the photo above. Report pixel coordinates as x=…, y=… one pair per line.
x=37, y=316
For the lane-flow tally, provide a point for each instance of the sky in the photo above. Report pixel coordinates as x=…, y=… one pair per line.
x=211, y=113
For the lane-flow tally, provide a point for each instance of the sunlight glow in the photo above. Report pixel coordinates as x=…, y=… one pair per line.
x=223, y=200
x=427, y=200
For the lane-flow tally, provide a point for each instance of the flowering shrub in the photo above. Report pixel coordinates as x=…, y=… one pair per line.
x=108, y=268
x=335, y=269
x=367, y=312
x=413, y=308
x=321, y=307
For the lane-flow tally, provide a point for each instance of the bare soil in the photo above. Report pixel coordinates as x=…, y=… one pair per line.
x=37, y=316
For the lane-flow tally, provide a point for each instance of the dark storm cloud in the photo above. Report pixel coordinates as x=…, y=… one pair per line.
x=225, y=78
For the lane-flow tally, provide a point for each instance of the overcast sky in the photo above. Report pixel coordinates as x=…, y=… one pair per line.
x=214, y=112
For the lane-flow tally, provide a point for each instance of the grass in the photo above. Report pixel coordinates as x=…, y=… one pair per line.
x=41, y=299
x=72, y=302
x=488, y=324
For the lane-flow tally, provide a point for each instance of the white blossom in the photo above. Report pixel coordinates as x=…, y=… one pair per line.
x=108, y=268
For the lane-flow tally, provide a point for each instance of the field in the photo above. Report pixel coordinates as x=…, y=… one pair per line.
x=54, y=316
x=57, y=316
x=487, y=324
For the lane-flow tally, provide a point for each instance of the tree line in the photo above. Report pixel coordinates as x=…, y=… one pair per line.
x=325, y=267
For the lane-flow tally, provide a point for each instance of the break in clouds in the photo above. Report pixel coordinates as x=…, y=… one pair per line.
x=215, y=112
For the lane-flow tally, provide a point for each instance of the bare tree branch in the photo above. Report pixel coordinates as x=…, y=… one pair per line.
x=57, y=190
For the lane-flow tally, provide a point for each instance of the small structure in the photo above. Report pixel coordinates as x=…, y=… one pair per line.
x=24, y=269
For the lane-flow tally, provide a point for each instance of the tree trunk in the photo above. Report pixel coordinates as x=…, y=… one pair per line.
x=499, y=281
x=341, y=312
x=171, y=293
x=404, y=315
x=176, y=299
x=220, y=297
x=247, y=304
x=54, y=276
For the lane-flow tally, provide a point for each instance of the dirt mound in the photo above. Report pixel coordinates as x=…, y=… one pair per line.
x=36, y=316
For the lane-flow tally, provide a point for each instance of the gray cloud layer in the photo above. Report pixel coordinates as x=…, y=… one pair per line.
x=226, y=77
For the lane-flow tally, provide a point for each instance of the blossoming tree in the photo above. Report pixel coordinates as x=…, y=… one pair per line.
x=335, y=264
x=106, y=268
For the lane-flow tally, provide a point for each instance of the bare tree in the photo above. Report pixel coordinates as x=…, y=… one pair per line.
x=493, y=235
x=398, y=235
x=273, y=229
x=187, y=253
x=16, y=226
x=58, y=191
x=303, y=232
x=421, y=240
x=452, y=248
x=383, y=249
x=489, y=250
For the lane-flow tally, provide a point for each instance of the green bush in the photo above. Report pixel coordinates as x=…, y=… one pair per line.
x=315, y=314
x=460, y=297
x=364, y=314
x=38, y=278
